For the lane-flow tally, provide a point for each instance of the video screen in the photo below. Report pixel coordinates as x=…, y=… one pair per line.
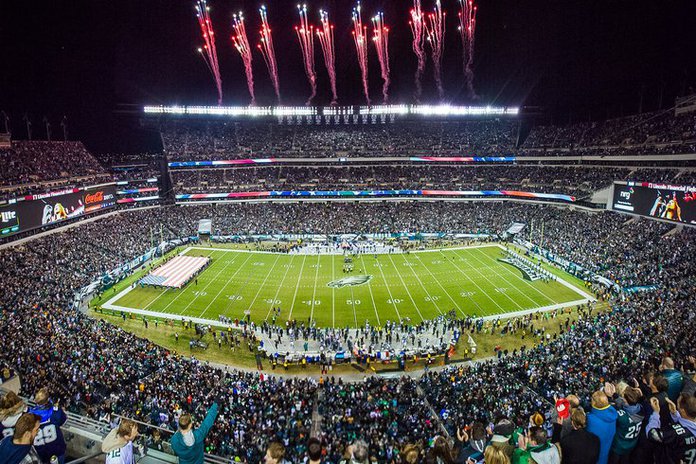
x=675, y=203
x=42, y=210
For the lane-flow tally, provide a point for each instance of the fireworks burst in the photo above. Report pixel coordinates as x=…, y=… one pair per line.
x=326, y=39
x=268, y=51
x=241, y=43
x=435, y=27
x=360, y=39
x=381, y=39
x=467, y=30
x=416, y=24
x=305, y=34
x=208, y=52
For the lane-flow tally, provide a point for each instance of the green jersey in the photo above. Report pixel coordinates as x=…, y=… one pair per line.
x=627, y=430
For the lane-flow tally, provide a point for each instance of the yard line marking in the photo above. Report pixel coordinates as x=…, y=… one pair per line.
x=314, y=293
x=225, y=286
x=443, y=288
x=501, y=276
x=289, y=265
x=297, y=287
x=407, y=291
x=476, y=285
x=352, y=301
x=515, y=274
x=369, y=287
x=391, y=297
x=333, y=293
x=422, y=286
x=498, y=275
x=264, y=282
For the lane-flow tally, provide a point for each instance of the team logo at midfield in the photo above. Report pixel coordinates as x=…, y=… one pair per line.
x=351, y=281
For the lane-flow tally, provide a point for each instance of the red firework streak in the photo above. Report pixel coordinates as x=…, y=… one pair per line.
x=241, y=43
x=305, y=34
x=435, y=27
x=326, y=39
x=360, y=39
x=208, y=51
x=416, y=24
x=268, y=51
x=467, y=30
x=381, y=39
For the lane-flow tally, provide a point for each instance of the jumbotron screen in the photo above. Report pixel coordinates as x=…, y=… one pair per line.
x=35, y=211
x=675, y=203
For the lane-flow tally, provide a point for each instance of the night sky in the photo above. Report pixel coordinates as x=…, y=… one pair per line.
x=573, y=60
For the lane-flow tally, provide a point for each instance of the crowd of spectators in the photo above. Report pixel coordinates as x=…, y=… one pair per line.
x=643, y=134
x=99, y=369
x=578, y=181
x=227, y=140
x=662, y=131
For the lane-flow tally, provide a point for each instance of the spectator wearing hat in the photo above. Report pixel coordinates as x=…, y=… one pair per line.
x=503, y=436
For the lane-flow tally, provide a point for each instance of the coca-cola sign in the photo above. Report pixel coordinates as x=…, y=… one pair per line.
x=96, y=197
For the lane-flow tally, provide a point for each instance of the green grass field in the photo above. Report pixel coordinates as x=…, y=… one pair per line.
x=419, y=285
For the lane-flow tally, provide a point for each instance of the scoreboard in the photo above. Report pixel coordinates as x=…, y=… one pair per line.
x=34, y=211
x=675, y=203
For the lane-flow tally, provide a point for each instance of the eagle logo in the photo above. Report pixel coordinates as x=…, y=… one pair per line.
x=351, y=281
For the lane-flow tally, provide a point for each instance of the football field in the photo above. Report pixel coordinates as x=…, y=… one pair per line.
x=418, y=285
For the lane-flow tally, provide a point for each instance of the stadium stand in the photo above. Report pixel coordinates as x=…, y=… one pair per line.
x=100, y=370
x=615, y=360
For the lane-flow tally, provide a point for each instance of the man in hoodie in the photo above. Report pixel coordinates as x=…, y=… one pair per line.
x=535, y=448
x=118, y=444
x=601, y=421
x=19, y=448
x=579, y=446
x=676, y=441
x=49, y=442
x=189, y=444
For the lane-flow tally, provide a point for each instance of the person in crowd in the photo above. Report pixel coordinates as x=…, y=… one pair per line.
x=494, y=455
x=472, y=442
x=629, y=421
x=676, y=440
x=411, y=454
x=49, y=442
x=19, y=448
x=579, y=446
x=357, y=453
x=189, y=443
x=535, y=447
x=601, y=421
x=314, y=451
x=674, y=377
x=11, y=409
x=118, y=444
x=275, y=454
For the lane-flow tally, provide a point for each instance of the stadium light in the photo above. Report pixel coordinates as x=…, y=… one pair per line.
x=379, y=110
